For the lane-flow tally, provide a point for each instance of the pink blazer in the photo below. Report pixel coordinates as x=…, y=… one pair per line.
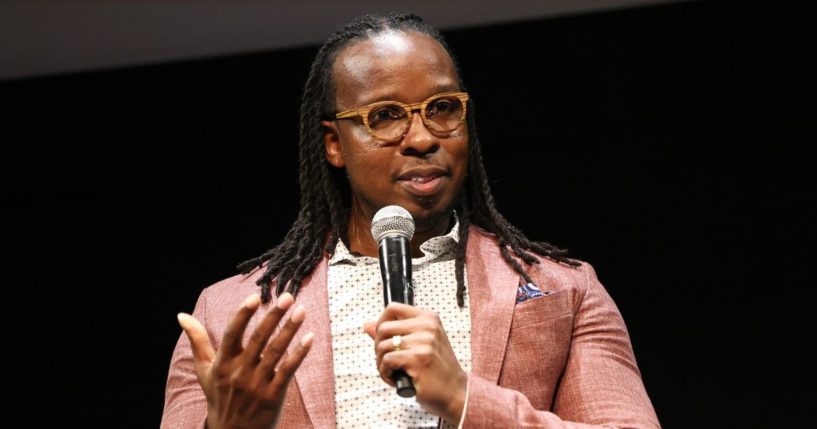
x=563, y=360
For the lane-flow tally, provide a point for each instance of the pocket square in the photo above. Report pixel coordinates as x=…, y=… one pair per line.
x=528, y=291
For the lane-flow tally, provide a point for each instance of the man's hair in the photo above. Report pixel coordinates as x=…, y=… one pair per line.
x=325, y=194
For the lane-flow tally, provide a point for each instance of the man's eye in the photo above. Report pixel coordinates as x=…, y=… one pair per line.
x=385, y=114
x=440, y=107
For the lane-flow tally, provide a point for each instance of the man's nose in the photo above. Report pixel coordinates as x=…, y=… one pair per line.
x=418, y=139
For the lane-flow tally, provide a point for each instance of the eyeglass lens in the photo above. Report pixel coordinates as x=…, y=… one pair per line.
x=389, y=120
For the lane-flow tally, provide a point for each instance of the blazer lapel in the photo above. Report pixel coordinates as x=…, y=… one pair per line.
x=316, y=376
x=492, y=295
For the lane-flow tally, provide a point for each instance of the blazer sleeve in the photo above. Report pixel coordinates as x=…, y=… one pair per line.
x=600, y=386
x=185, y=403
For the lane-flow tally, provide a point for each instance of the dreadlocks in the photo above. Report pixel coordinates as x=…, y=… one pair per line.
x=325, y=192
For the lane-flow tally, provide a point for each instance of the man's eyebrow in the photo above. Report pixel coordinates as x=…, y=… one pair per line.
x=438, y=89
x=448, y=87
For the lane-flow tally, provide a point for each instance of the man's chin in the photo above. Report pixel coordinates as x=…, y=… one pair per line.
x=430, y=220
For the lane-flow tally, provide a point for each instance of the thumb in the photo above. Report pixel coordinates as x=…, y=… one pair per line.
x=370, y=327
x=203, y=354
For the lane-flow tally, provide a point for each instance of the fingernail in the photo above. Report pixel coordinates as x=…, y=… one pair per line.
x=299, y=314
x=252, y=301
x=284, y=301
x=182, y=318
x=306, y=340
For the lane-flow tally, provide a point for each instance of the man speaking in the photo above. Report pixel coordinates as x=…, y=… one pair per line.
x=504, y=331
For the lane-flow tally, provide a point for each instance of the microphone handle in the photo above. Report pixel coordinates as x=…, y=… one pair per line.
x=404, y=385
x=395, y=267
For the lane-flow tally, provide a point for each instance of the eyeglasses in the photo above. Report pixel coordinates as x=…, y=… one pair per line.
x=389, y=121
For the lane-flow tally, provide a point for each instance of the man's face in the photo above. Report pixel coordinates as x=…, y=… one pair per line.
x=424, y=171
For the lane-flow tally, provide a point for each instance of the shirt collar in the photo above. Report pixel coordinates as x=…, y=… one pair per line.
x=433, y=248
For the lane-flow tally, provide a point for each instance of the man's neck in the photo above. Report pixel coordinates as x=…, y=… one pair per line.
x=360, y=240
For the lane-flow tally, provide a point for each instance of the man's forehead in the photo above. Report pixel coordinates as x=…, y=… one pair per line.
x=391, y=48
x=392, y=42
x=384, y=57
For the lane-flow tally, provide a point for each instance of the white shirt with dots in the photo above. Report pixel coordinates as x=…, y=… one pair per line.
x=362, y=399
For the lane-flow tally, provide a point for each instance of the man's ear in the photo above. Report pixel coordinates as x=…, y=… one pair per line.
x=331, y=144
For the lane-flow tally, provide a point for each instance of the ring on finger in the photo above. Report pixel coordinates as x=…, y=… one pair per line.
x=397, y=341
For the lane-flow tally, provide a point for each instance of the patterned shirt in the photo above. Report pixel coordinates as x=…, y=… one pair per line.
x=362, y=399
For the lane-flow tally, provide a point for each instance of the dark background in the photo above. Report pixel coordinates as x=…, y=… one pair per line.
x=670, y=146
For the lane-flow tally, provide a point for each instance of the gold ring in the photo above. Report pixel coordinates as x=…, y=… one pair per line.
x=396, y=341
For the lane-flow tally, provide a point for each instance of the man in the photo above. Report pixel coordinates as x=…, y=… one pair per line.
x=506, y=331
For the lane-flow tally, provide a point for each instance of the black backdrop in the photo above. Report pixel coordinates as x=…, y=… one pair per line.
x=672, y=147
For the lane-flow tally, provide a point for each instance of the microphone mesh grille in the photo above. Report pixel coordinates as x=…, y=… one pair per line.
x=392, y=220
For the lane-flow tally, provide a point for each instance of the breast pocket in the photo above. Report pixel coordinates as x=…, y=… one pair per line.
x=539, y=310
x=538, y=346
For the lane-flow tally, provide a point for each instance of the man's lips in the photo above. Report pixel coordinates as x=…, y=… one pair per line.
x=422, y=173
x=423, y=181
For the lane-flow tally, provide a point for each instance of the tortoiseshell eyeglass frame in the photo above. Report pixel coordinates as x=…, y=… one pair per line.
x=363, y=112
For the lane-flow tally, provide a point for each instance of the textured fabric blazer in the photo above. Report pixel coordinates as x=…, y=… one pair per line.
x=562, y=360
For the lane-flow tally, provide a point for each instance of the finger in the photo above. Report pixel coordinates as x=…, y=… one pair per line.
x=278, y=346
x=259, y=337
x=422, y=338
x=394, y=311
x=387, y=346
x=395, y=360
x=391, y=328
x=203, y=353
x=290, y=365
x=231, y=344
x=397, y=311
x=369, y=327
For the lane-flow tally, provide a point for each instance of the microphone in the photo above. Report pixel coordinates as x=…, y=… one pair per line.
x=392, y=228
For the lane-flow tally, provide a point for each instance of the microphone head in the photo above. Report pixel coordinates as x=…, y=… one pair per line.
x=392, y=220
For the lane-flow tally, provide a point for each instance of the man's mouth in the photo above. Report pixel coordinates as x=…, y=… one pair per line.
x=423, y=183
x=424, y=179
